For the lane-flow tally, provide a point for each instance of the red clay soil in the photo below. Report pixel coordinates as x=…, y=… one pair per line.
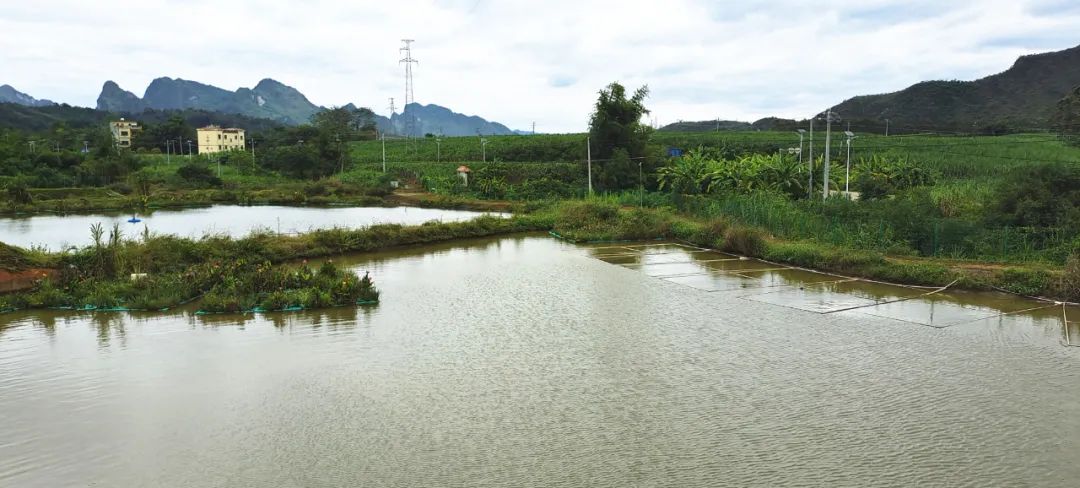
x=22, y=280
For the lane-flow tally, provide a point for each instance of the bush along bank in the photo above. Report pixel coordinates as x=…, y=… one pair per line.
x=599, y=220
x=153, y=272
x=267, y=288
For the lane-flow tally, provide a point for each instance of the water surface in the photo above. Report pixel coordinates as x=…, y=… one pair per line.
x=531, y=362
x=59, y=231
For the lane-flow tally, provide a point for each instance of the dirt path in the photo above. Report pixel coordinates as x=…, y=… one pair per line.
x=421, y=198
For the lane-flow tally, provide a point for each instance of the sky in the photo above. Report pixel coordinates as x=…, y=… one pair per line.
x=525, y=62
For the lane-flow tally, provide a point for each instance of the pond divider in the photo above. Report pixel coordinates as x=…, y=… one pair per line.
x=796, y=287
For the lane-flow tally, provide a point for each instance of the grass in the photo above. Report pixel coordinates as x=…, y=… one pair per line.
x=232, y=272
x=603, y=220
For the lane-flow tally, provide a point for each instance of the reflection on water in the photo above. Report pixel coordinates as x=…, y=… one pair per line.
x=59, y=231
x=526, y=362
x=812, y=291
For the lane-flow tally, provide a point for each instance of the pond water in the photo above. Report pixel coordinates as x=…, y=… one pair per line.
x=527, y=361
x=59, y=231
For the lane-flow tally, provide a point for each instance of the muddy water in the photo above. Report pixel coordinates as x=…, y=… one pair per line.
x=59, y=231
x=531, y=362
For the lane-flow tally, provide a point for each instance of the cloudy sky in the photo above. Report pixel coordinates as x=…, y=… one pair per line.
x=519, y=62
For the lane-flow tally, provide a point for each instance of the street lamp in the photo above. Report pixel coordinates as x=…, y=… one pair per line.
x=830, y=117
x=588, y=159
x=801, y=132
x=188, y=148
x=641, y=183
x=847, y=177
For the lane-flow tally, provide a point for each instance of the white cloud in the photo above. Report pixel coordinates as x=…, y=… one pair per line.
x=522, y=61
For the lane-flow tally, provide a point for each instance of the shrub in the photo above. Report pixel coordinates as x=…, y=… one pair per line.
x=198, y=174
x=1024, y=282
x=748, y=241
x=1071, y=279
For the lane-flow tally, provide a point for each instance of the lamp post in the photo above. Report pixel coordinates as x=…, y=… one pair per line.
x=810, y=193
x=588, y=159
x=847, y=177
x=188, y=148
x=641, y=185
x=341, y=159
x=801, y=132
x=829, y=119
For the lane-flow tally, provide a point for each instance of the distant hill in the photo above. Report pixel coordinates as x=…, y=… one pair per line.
x=434, y=119
x=706, y=126
x=1023, y=96
x=36, y=119
x=9, y=94
x=269, y=99
x=282, y=103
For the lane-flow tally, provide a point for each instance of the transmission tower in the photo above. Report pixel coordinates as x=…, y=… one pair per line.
x=409, y=98
x=392, y=106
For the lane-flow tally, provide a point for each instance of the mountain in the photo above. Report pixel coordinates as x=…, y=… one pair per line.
x=9, y=94
x=706, y=126
x=35, y=119
x=115, y=99
x=1067, y=113
x=269, y=99
x=1024, y=96
x=417, y=120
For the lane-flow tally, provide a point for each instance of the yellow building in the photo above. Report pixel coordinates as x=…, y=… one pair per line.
x=122, y=130
x=214, y=139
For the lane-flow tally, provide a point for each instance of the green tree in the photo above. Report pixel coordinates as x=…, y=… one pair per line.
x=616, y=124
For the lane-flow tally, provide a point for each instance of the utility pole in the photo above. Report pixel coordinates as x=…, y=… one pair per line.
x=32, y=143
x=588, y=155
x=438, y=149
x=168, y=152
x=810, y=192
x=341, y=159
x=253, y=153
x=886, y=127
x=483, y=149
x=534, y=128
x=383, y=137
x=188, y=148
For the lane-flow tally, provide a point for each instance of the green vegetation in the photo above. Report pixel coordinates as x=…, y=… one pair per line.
x=233, y=274
x=605, y=220
x=266, y=287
